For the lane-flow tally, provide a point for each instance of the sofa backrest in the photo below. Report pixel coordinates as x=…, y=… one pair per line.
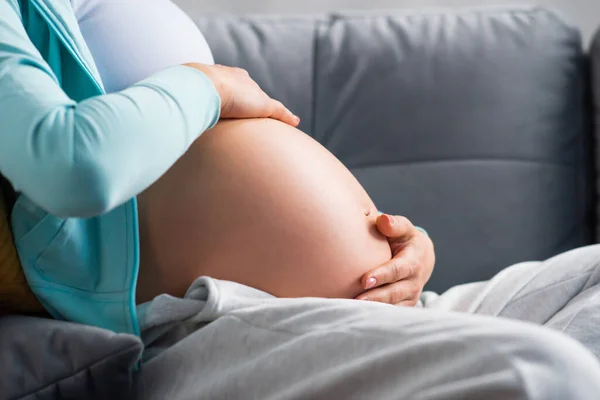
x=595, y=74
x=474, y=124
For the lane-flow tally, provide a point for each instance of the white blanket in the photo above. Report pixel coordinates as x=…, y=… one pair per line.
x=229, y=341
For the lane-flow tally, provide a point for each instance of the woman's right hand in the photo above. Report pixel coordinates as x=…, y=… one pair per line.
x=241, y=97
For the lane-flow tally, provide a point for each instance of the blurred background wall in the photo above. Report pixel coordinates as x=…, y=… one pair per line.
x=584, y=13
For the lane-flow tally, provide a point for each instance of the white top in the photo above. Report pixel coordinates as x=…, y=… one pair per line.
x=132, y=39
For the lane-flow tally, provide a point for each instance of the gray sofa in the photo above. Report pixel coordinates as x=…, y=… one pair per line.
x=478, y=125
x=475, y=124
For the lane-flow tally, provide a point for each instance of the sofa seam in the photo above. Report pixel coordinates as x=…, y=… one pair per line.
x=267, y=19
x=459, y=160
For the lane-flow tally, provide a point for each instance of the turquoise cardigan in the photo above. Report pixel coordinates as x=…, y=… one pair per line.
x=79, y=157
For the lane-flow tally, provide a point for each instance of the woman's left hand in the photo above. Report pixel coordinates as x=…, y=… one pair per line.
x=401, y=280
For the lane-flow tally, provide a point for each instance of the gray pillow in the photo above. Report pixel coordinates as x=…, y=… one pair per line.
x=48, y=359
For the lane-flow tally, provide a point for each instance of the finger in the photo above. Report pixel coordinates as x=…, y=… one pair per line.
x=280, y=112
x=394, y=226
x=392, y=271
x=393, y=293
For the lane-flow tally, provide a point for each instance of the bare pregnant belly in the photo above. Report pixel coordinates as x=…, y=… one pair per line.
x=259, y=203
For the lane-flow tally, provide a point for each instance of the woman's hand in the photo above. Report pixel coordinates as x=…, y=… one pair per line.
x=241, y=97
x=401, y=280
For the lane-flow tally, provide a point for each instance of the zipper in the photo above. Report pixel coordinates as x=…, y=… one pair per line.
x=74, y=51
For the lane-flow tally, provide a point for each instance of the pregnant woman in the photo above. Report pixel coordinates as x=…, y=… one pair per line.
x=252, y=202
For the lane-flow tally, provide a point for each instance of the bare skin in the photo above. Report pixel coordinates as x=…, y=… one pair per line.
x=258, y=202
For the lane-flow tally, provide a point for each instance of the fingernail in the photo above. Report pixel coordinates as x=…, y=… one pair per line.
x=371, y=282
x=297, y=119
x=390, y=219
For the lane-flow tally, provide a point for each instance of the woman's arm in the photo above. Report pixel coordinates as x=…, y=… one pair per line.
x=83, y=159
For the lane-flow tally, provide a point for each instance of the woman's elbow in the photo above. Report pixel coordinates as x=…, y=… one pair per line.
x=83, y=192
x=76, y=174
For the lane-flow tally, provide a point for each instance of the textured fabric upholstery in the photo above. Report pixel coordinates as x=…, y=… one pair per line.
x=47, y=359
x=595, y=72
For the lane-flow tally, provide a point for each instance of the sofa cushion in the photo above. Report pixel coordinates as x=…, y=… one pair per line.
x=48, y=359
x=277, y=52
x=472, y=122
x=595, y=66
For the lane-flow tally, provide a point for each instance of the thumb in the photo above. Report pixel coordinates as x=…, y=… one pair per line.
x=394, y=226
x=278, y=111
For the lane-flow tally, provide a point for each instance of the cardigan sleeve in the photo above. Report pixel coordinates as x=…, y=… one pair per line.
x=81, y=159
